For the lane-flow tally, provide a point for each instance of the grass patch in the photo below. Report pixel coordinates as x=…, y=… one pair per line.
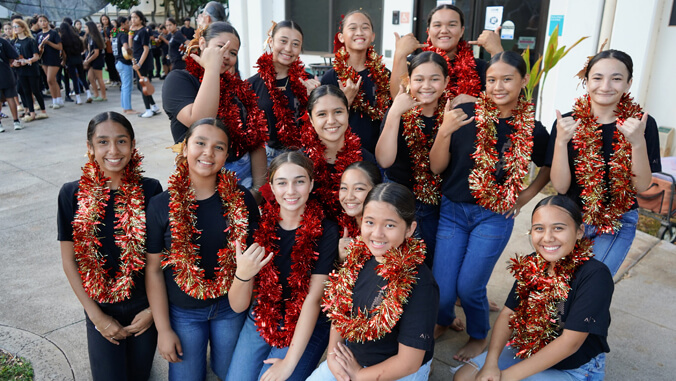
x=14, y=367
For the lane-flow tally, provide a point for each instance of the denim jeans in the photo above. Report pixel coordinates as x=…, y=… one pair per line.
x=242, y=168
x=323, y=373
x=218, y=326
x=470, y=240
x=427, y=217
x=252, y=350
x=272, y=153
x=126, y=79
x=594, y=370
x=611, y=249
x=133, y=358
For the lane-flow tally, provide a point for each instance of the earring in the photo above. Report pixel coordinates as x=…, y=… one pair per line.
x=90, y=157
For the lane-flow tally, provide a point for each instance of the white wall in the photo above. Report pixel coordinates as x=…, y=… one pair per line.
x=388, y=29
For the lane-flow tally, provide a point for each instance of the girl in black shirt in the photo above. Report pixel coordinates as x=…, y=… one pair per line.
x=140, y=43
x=95, y=61
x=50, y=46
x=101, y=227
x=28, y=69
x=176, y=41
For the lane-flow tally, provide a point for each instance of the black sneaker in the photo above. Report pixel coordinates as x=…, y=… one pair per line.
x=69, y=99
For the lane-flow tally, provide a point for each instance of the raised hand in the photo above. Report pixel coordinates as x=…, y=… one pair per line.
x=350, y=89
x=565, y=127
x=406, y=44
x=342, y=245
x=453, y=120
x=634, y=129
x=311, y=84
x=489, y=40
x=251, y=261
x=211, y=57
x=403, y=102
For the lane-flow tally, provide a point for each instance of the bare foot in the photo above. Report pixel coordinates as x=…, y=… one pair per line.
x=130, y=112
x=457, y=325
x=473, y=348
x=439, y=330
x=493, y=307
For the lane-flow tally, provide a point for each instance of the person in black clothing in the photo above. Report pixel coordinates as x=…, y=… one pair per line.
x=7, y=84
x=49, y=44
x=176, y=41
x=106, y=30
x=140, y=42
x=164, y=47
x=187, y=30
x=95, y=61
x=121, y=49
x=363, y=345
x=72, y=60
x=155, y=50
x=28, y=69
x=107, y=277
x=540, y=335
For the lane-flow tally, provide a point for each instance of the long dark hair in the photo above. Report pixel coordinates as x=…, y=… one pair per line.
x=563, y=202
x=397, y=195
x=369, y=169
x=218, y=27
x=105, y=116
x=94, y=34
x=426, y=57
x=446, y=6
x=511, y=58
x=322, y=91
x=612, y=53
x=293, y=157
x=72, y=44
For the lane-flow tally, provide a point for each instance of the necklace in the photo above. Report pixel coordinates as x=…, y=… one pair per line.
x=268, y=310
x=399, y=268
x=130, y=230
x=184, y=253
x=485, y=188
x=464, y=78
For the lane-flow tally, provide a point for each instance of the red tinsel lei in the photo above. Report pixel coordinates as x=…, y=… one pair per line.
x=184, y=254
x=379, y=76
x=427, y=187
x=130, y=230
x=500, y=198
x=536, y=319
x=464, y=78
x=349, y=222
x=244, y=136
x=268, y=310
x=288, y=132
x=399, y=268
x=327, y=181
x=604, y=203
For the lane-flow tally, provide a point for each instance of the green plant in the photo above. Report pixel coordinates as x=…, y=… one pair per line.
x=14, y=367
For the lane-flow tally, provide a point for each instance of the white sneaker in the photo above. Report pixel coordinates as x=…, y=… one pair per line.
x=1, y=129
x=147, y=114
x=56, y=106
x=18, y=126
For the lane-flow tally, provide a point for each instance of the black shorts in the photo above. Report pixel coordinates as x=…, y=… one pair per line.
x=98, y=65
x=46, y=61
x=9, y=92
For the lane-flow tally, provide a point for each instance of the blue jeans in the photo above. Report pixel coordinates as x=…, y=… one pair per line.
x=217, y=325
x=272, y=153
x=594, y=370
x=470, y=240
x=252, y=350
x=323, y=373
x=611, y=249
x=242, y=168
x=133, y=358
x=427, y=217
x=126, y=78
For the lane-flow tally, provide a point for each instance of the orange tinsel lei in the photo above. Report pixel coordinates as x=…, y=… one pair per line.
x=184, y=253
x=130, y=230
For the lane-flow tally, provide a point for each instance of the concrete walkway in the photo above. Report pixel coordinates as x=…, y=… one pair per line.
x=41, y=320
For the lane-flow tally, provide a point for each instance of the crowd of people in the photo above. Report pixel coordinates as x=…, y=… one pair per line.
x=351, y=214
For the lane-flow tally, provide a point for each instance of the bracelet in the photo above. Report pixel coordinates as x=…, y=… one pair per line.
x=108, y=326
x=242, y=280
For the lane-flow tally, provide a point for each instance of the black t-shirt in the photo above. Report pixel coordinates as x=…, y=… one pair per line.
x=50, y=56
x=7, y=53
x=210, y=223
x=117, y=44
x=177, y=39
x=366, y=128
x=67, y=209
x=326, y=247
x=265, y=104
x=401, y=170
x=587, y=309
x=27, y=48
x=180, y=89
x=455, y=184
x=188, y=32
x=415, y=327
x=100, y=60
x=652, y=140
x=142, y=38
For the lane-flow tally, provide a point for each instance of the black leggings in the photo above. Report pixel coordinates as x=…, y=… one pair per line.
x=113, y=75
x=147, y=99
x=31, y=87
x=76, y=72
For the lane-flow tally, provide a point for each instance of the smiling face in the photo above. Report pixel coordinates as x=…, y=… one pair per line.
x=428, y=83
x=382, y=228
x=607, y=80
x=330, y=118
x=503, y=85
x=445, y=30
x=291, y=186
x=111, y=146
x=355, y=185
x=554, y=233
x=230, y=56
x=357, y=34
x=206, y=151
x=286, y=46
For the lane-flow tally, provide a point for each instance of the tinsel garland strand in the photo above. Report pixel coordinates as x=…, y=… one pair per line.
x=288, y=132
x=399, y=268
x=536, y=318
x=184, y=255
x=464, y=78
x=244, y=136
x=500, y=197
x=604, y=204
x=379, y=76
x=130, y=230
x=268, y=309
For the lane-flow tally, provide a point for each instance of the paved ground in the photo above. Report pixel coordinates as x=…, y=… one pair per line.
x=41, y=319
